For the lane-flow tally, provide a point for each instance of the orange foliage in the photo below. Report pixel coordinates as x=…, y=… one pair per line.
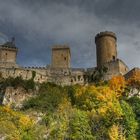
x=105, y=96
x=118, y=84
x=134, y=81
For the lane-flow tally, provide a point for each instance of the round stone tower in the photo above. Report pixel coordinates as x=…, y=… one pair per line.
x=106, y=50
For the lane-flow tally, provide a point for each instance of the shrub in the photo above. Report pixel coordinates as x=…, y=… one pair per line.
x=17, y=82
x=135, y=104
x=15, y=125
x=129, y=121
x=48, y=98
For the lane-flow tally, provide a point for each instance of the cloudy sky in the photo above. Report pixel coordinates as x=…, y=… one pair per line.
x=37, y=25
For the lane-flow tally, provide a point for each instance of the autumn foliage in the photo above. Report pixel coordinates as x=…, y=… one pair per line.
x=134, y=80
x=117, y=84
x=17, y=126
x=90, y=112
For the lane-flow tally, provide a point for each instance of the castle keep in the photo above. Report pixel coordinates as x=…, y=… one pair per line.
x=60, y=71
x=106, y=50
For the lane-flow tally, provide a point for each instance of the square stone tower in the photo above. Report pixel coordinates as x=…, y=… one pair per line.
x=8, y=54
x=61, y=56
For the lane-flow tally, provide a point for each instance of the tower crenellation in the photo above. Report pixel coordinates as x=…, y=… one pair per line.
x=105, y=33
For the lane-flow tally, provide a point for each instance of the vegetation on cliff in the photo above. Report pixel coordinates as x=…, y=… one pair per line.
x=94, y=112
x=18, y=126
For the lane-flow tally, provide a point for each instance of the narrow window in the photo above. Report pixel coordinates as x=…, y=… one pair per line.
x=79, y=78
x=113, y=57
x=5, y=57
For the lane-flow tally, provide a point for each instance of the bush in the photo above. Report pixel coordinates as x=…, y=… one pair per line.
x=86, y=112
x=129, y=121
x=18, y=126
x=48, y=98
x=135, y=104
x=17, y=82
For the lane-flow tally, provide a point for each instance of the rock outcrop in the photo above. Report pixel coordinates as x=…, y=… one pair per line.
x=15, y=97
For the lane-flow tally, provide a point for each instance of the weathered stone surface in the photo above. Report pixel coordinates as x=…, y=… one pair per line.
x=8, y=54
x=61, y=56
x=15, y=97
x=134, y=92
x=105, y=48
x=60, y=71
x=134, y=73
x=115, y=67
x=2, y=137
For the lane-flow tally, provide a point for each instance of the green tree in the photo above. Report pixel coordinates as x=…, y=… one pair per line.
x=79, y=128
x=129, y=122
x=135, y=104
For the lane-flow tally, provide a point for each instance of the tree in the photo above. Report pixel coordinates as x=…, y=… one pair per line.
x=129, y=122
x=118, y=84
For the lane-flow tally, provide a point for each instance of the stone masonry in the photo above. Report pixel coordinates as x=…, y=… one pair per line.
x=61, y=56
x=60, y=71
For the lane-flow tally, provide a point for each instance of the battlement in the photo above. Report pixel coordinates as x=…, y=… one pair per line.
x=106, y=33
x=34, y=67
x=61, y=47
x=5, y=47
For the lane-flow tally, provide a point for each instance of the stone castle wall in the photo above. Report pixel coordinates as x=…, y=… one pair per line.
x=66, y=76
x=60, y=71
x=59, y=76
x=134, y=73
x=115, y=68
x=26, y=74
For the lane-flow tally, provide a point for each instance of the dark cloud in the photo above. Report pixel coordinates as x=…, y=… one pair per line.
x=119, y=11
x=39, y=24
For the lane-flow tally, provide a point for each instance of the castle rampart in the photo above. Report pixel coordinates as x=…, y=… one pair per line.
x=60, y=71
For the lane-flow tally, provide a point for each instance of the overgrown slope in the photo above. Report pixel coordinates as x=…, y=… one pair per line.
x=93, y=112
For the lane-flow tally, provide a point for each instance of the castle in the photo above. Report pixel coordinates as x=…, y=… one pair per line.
x=60, y=71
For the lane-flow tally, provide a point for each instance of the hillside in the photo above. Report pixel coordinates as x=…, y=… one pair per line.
x=100, y=111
